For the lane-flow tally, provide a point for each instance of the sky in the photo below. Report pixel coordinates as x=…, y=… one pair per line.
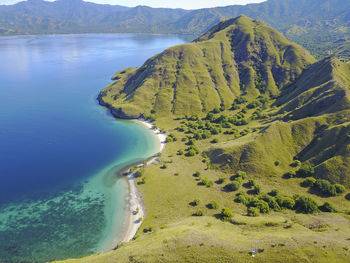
x=186, y=4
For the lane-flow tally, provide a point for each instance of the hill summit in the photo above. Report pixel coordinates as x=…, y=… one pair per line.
x=239, y=56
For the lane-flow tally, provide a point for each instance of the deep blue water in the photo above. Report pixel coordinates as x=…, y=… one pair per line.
x=54, y=138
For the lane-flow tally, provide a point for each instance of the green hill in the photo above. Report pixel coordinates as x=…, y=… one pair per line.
x=258, y=152
x=237, y=56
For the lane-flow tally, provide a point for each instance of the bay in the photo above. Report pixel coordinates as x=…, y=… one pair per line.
x=59, y=150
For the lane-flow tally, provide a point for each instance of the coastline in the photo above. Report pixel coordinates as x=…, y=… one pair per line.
x=136, y=209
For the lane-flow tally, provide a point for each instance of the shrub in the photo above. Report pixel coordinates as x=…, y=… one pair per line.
x=327, y=207
x=197, y=174
x=261, y=204
x=215, y=140
x=305, y=171
x=196, y=202
x=242, y=198
x=290, y=174
x=198, y=213
x=169, y=139
x=234, y=186
x=277, y=163
x=257, y=189
x=251, y=183
x=271, y=202
x=253, y=211
x=206, y=182
x=164, y=166
x=295, y=163
x=226, y=214
x=139, y=172
x=180, y=152
x=274, y=192
x=347, y=197
x=325, y=187
x=241, y=174
x=191, y=152
x=221, y=180
x=148, y=229
x=285, y=202
x=213, y=205
x=308, y=182
x=306, y=205
x=340, y=189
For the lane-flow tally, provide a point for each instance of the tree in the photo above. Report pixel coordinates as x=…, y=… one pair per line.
x=327, y=207
x=241, y=174
x=234, y=186
x=253, y=211
x=308, y=182
x=226, y=214
x=340, y=189
x=213, y=205
x=325, y=187
x=306, y=205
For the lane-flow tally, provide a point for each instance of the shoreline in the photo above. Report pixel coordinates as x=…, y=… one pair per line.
x=135, y=206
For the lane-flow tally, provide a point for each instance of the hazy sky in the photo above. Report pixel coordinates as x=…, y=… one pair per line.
x=187, y=4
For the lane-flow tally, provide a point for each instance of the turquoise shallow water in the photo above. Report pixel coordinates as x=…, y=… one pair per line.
x=60, y=151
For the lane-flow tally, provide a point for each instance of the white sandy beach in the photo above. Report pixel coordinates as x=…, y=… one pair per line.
x=136, y=208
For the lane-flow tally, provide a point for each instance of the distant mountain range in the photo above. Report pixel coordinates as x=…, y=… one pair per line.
x=321, y=26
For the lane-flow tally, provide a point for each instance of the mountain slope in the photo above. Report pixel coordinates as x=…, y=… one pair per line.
x=237, y=56
x=315, y=130
x=318, y=25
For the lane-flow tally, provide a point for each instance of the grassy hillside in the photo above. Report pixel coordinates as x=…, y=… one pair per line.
x=238, y=56
x=256, y=160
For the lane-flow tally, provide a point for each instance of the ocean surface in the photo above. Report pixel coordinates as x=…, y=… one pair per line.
x=60, y=196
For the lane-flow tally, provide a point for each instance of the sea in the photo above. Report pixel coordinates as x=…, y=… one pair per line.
x=61, y=192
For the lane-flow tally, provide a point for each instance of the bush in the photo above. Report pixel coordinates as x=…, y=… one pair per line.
x=164, y=166
x=198, y=213
x=327, y=207
x=180, y=152
x=277, y=163
x=213, y=205
x=340, y=189
x=148, y=229
x=271, y=202
x=274, y=192
x=306, y=205
x=196, y=202
x=234, y=186
x=242, y=198
x=305, y=171
x=257, y=189
x=191, y=152
x=308, y=182
x=261, y=204
x=226, y=214
x=197, y=174
x=169, y=139
x=221, y=180
x=325, y=187
x=206, y=182
x=215, y=140
x=140, y=172
x=295, y=163
x=253, y=211
x=241, y=174
x=285, y=202
x=290, y=174
x=251, y=183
